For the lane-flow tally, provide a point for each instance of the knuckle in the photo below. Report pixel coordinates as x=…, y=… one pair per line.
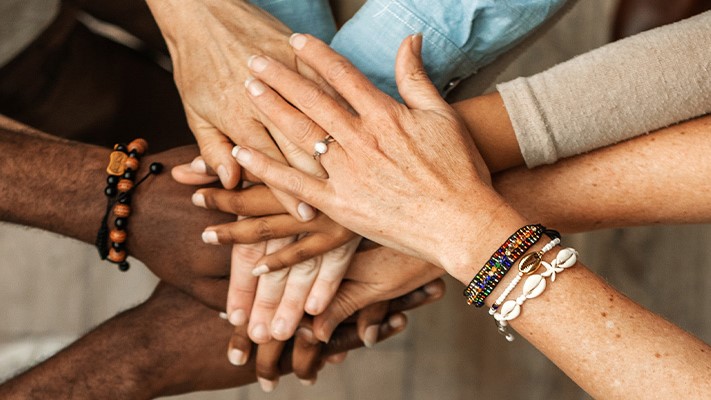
x=418, y=75
x=348, y=304
x=267, y=368
x=236, y=204
x=249, y=253
x=311, y=97
x=337, y=70
x=263, y=230
x=304, y=129
x=295, y=183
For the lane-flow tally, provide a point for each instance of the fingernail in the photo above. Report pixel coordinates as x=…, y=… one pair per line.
x=307, y=334
x=416, y=43
x=257, y=63
x=396, y=321
x=241, y=154
x=223, y=174
x=267, y=385
x=432, y=289
x=306, y=211
x=260, y=270
x=237, y=357
x=238, y=318
x=223, y=315
x=312, y=306
x=306, y=382
x=198, y=165
x=371, y=336
x=260, y=333
x=254, y=87
x=279, y=327
x=297, y=41
x=199, y=200
x=210, y=237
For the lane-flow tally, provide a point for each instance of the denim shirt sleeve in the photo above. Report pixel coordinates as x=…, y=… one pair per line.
x=307, y=16
x=460, y=36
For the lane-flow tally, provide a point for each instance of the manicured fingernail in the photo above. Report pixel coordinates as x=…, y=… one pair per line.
x=306, y=382
x=198, y=165
x=223, y=174
x=237, y=357
x=257, y=63
x=306, y=211
x=223, y=315
x=312, y=306
x=199, y=200
x=241, y=154
x=210, y=237
x=254, y=87
x=260, y=270
x=260, y=333
x=371, y=336
x=396, y=321
x=238, y=318
x=297, y=41
x=279, y=327
x=267, y=385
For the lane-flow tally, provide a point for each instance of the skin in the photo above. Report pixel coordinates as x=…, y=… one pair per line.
x=222, y=35
x=160, y=208
x=148, y=364
x=625, y=352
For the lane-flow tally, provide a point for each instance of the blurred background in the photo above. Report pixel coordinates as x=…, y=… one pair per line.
x=53, y=289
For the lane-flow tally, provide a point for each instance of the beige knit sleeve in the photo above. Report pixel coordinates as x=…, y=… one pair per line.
x=613, y=93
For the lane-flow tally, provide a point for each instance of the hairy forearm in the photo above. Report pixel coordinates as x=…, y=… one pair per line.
x=49, y=183
x=659, y=178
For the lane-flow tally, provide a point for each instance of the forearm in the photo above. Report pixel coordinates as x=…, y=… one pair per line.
x=51, y=184
x=653, y=179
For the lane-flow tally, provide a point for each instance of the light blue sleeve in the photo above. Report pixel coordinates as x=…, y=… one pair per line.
x=307, y=16
x=460, y=36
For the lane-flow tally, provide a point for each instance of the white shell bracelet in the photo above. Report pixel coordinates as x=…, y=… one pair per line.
x=532, y=288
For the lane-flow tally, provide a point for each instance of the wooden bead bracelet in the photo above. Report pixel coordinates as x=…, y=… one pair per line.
x=124, y=163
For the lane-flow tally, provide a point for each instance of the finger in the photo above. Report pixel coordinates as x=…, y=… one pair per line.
x=346, y=338
x=334, y=265
x=304, y=249
x=337, y=358
x=253, y=230
x=243, y=285
x=413, y=83
x=369, y=320
x=297, y=157
x=426, y=294
x=186, y=175
x=240, y=346
x=307, y=351
x=215, y=149
x=291, y=307
x=307, y=188
x=257, y=200
x=355, y=87
x=297, y=127
x=350, y=298
x=267, y=364
x=270, y=290
x=303, y=93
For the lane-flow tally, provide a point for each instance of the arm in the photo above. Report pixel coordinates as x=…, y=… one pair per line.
x=147, y=363
x=604, y=341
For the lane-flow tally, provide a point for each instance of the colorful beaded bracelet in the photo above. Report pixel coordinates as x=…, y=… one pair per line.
x=124, y=163
x=501, y=261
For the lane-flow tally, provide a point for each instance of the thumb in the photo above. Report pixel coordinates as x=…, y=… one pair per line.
x=216, y=149
x=351, y=297
x=414, y=85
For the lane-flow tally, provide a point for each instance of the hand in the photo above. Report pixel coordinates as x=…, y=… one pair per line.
x=218, y=37
x=385, y=160
x=275, y=303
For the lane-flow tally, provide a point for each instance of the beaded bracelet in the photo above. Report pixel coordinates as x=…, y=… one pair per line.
x=532, y=288
x=124, y=163
x=528, y=265
x=501, y=261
